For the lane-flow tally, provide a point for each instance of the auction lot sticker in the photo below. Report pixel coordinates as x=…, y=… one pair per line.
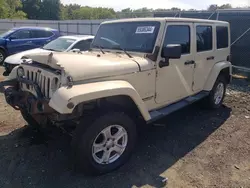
x=145, y=29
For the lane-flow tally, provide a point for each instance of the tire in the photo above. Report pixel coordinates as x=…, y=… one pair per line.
x=90, y=163
x=213, y=102
x=30, y=120
x=2, y=56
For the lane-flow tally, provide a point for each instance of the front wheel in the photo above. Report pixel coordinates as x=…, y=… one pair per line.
x=217, y=94
x=30, y=120
x=105, y=145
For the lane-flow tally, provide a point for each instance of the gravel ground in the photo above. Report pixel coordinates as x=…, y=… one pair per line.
x=191, y=148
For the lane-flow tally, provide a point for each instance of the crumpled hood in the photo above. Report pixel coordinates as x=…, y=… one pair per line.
x=92, y=65
x=16, y=58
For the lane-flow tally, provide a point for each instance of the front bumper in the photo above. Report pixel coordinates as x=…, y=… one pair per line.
x=22, y=100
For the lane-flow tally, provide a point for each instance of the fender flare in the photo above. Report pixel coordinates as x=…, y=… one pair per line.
x=91, y=91
x=214, y=73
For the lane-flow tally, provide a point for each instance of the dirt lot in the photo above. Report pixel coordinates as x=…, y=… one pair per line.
x=192, y=148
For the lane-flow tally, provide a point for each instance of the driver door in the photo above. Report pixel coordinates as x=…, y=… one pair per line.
x=174, y=82
x=19, y=41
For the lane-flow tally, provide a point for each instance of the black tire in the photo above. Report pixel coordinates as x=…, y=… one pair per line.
x=30, y=120
x=210, y=101
x=2, y=56
x=85, y=136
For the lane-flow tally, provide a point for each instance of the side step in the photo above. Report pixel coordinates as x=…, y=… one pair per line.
x=157, y=114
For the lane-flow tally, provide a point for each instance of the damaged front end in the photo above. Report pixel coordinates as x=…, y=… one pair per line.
x=36, y=106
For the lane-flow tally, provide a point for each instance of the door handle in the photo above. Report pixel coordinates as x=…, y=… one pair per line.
x=192, y=62
x=210, y=58
x=29, y=42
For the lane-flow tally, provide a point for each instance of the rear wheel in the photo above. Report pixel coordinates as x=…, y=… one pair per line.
x=2, y=56
x=217, y=94
x=105, y=144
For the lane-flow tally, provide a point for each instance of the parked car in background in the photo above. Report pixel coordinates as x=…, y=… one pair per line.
x=25, y=38
x=62, y=44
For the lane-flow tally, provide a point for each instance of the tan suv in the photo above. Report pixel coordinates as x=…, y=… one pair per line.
x=138, y=69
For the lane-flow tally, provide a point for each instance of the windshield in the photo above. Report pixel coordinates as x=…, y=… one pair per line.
x=129, y=36
x=5, y=34
x=60, y=44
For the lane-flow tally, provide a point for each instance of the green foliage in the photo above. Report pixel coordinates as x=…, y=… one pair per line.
x=50, y=10
x=93, y=13
x=213, y=7
x=3, y=9
x=32, y=8
x=55, y=10
x=11, y=9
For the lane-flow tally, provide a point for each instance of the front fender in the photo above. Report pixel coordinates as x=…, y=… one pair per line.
x=90, y=91
x=215, y=73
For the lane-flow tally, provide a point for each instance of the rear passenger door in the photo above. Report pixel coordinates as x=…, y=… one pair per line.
x=41, y=37
x=205, y=56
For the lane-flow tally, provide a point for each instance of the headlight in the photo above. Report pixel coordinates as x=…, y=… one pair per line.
x=20, y=72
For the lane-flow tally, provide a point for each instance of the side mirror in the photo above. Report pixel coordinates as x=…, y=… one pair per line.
x=76, y=50
x=171, y=51
x=12, y=38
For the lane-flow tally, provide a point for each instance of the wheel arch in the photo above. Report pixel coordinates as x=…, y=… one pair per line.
x=4, y=49
x=219, y=69
x=119, y=93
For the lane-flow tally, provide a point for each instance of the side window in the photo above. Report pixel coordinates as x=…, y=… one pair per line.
x=222, y=37
x=178, y=34
x=22, y=34
x=83, y=45
x=41, y=34
x=204, y=38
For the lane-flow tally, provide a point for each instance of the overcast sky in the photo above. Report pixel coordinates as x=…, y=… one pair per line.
x=135, y=4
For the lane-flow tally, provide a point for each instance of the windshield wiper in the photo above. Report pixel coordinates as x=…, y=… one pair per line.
x=100, y=48
x=120, y=48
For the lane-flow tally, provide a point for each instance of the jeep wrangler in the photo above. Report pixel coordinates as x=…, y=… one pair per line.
x=137, y=70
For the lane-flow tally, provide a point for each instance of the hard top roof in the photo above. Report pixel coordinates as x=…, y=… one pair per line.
x=169, y=19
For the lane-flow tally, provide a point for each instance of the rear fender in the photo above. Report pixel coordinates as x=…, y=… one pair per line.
x=217, y=68
x=91, y=91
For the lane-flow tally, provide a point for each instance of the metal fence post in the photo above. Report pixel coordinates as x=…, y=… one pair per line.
x=218, y=14
x=67, y=28
x=77, y=28
x=91, y=28
x=59, y=27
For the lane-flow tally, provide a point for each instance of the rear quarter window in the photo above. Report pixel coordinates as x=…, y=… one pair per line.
x=41, y=34
x=222, y=37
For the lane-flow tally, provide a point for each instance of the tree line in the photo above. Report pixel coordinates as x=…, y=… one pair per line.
x=55, y=10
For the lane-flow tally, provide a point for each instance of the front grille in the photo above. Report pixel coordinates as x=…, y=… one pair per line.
x=42, y=81
x=46, y=80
